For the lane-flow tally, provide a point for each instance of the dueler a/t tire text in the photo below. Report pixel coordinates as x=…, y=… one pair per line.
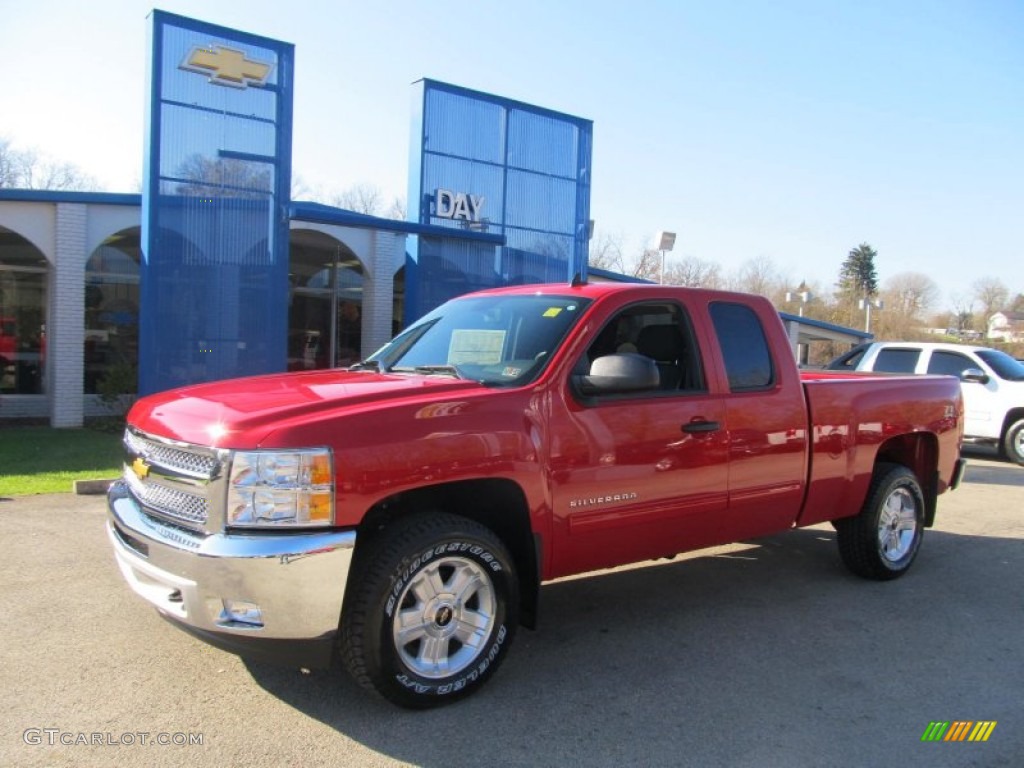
x=432, y=611
x=882, y=541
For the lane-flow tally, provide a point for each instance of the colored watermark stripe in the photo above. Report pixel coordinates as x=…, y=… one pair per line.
x=958, y=730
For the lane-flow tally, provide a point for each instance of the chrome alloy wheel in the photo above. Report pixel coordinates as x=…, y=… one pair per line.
x=897, y=525
x=446, y=614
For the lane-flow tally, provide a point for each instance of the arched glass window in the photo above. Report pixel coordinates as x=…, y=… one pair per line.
x=325, y=315
x=23, y=276
x=112, y=314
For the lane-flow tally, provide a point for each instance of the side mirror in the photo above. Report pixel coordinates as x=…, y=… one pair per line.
x=975, y=375
x=623, y=372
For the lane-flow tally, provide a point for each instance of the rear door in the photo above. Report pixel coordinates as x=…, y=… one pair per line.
x=766, y=418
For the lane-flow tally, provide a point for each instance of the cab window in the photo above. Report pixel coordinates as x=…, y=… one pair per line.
x=949, y=363
x=896, y=360
x=659, y=331
x=748, y=361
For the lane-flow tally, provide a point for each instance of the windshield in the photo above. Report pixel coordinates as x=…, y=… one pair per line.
x=502, y=340
x=1004, y=366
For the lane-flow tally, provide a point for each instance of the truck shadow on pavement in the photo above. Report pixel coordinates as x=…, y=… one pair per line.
x=766, y=652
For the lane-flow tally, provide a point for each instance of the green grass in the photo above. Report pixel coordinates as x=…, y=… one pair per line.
x=46, y=460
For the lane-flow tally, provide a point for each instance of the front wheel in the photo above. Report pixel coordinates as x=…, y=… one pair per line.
x=432, y=612
x=1013, y=442
x=882, y=541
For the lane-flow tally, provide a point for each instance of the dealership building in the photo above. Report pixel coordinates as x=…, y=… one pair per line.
x=213, y=271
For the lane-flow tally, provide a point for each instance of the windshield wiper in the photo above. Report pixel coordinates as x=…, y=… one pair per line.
x=430, y=370
x=365, y=365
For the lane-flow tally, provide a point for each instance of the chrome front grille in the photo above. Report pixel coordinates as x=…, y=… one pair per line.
x=173, y=481
x=173, y=457
x=181, y=506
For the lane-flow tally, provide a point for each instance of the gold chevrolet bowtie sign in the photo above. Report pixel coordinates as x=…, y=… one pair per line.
x=226, y=66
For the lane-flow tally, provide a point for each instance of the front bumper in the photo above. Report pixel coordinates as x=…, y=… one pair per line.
x=297, y=581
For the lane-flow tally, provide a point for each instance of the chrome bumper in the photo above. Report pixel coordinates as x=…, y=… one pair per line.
x=296, y=580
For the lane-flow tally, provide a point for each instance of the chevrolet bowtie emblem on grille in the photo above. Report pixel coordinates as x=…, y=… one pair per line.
x=227, y=66
x=140, y=468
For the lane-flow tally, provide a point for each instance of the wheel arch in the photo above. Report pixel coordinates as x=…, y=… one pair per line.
x=1006, y=449
x=873, y=544
x=506, y=513
x=1012, y=417
x=918, y=452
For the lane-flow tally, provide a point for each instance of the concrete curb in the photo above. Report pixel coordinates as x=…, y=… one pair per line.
x=92, y=487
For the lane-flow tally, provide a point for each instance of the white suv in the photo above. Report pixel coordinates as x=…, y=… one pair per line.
x=992, y=383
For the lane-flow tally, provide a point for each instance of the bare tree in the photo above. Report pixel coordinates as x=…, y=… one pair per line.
x=223, y=177
x=25, y=169
x=647, y=265
x=9, y=165
x=300, y=190
x=397, y=210
x=910, y=294
x=992, y=294
x=361, y=198
x=963, y=313
x=693, y=273
x=606, y=252
x=759, y=275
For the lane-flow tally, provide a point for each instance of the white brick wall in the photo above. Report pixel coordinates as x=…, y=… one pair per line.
x=378, y=290
x=24, y=406
x=65, y=331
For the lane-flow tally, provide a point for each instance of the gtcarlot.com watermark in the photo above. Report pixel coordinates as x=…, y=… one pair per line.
x=58, y=737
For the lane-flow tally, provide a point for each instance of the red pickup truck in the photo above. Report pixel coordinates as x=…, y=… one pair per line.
x=402, y=514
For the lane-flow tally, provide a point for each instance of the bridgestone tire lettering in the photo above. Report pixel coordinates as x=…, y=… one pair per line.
x=431, y=611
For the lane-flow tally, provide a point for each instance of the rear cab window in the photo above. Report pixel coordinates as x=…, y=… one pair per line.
x=896, y=360
x=745, y=350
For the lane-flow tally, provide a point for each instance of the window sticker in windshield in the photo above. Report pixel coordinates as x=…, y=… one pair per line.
x=553, y=312
x=475, y=346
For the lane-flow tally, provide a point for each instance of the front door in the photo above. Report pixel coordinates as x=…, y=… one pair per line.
x=641, y=475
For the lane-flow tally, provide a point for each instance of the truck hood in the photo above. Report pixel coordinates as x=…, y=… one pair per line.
x=240, y=413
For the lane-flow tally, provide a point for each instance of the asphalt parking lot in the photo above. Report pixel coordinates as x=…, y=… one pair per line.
x=766, y=653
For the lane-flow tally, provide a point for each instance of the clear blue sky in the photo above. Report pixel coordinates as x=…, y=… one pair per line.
x=793, y=129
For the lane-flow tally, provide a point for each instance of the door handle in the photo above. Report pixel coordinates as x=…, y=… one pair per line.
x=701, y=426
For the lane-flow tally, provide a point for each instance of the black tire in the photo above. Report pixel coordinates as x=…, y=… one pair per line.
x=1012, y=445
x=455, y=584
x=882, y=541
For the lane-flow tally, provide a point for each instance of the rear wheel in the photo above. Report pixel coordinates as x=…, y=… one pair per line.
x=882, y=541
x=1013, y=442
x=432, y=612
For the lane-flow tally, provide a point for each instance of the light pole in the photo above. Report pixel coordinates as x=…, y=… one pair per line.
x=866, y=304
x=803, y=296
x=665, y=240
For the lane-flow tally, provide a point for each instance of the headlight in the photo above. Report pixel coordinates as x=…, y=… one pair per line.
x=281, y=488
